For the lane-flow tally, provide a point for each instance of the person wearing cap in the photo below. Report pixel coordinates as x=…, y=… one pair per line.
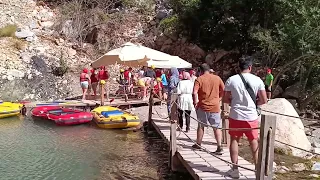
x=207, y=93
x=150, y=72
x=268, y=83
x=84, y=82
x=243, y=110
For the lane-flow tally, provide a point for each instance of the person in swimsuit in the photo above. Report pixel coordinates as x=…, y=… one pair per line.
x=84, y=82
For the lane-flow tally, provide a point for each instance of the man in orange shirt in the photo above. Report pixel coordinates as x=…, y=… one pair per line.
x=209, y=90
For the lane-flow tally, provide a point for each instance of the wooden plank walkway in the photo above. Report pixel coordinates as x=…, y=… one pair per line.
x=90, y=103
x=200, y=164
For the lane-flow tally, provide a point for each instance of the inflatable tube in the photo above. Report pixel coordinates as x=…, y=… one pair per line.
x=9, y=109
x=67, y=117
x=42, y=111
x=113, y=118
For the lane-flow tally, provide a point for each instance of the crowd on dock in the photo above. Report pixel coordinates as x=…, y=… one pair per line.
x=201, y=91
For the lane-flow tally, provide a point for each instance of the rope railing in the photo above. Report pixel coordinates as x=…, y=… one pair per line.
x=299, y=117
x=207, y=151
x=308, y=151
x=204, y=149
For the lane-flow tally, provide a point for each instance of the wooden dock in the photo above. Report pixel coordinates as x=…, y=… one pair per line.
x=200, y=164
x=89, y=103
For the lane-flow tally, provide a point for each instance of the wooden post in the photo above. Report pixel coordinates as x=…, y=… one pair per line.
x=102, y=93
x=150, y=106
x=266, y=148
x=225, y=124
x=173, y=160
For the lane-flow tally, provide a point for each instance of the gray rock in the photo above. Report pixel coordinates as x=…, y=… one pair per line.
x=33, y=25
x=15, y=73
x=315, y=144
x=314, y=175
x=162, y=14
x=316, y=166
x=29, y=76
x=10, y=77
x=282, y=169
x=71, y=52
x=24, y=34
x=30, y=39
x=299, y=167
x=47, y=24
x=40, y=50
x=25, y=58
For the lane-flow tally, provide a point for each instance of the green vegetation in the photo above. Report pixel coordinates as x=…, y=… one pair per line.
x=282, y=34
x=8, y=30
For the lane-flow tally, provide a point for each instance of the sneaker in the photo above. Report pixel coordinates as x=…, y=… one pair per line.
x=196, y=146
x=233, y=173
x=219, y=151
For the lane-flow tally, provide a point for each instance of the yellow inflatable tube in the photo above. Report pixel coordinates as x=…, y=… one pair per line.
x=116, y=121
x=9, y=109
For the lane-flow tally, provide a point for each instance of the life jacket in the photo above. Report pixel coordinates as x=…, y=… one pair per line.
x=158, y=73
x=126, y=74
x=103, y=75
x=93, y=76
x=83, y=77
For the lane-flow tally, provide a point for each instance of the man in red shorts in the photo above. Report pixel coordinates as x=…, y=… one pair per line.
x=241, y=92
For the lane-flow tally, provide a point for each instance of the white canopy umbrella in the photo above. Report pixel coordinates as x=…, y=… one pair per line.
x=131, y=55
x=174, y=61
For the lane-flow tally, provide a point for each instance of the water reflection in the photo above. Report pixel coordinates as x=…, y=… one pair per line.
x=38, y=149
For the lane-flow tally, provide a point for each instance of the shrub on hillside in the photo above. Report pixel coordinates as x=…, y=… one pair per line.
x=8, y=30
x=62, y=68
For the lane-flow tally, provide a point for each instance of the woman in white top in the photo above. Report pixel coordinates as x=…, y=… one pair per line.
x=185, y=102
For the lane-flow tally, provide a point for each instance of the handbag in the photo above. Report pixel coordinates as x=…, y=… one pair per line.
x=251, y=92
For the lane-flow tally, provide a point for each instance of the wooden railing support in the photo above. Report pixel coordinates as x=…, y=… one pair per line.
x=101, y=93
x=225, y=124
x=150, y=106
x=173, y=160
x=266, y=148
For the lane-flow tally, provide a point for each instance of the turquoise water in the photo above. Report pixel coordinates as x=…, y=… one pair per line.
x=38, y=149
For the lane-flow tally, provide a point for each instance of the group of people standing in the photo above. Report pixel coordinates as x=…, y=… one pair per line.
x=244, y=92
x=90, y=81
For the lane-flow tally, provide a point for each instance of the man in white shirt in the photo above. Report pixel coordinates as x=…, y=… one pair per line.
x=243, y=112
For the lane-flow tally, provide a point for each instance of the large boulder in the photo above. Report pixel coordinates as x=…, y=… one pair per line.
x=289, y=130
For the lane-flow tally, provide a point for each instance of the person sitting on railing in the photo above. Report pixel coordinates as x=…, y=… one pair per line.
x=240, y=92
x=185, y=102
x=208, y=88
